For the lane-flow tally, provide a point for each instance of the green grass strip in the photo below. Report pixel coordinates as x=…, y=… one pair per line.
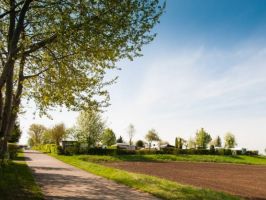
x=251, y=160
x=17, y=182
x=156, y=186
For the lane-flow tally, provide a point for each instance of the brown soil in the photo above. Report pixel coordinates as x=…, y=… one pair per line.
x=248, y=181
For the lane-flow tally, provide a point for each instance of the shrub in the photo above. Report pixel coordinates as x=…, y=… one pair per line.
x=71, y=150
x=12, y=150
x=252, y=153
x=224, y=152
x=48, y=148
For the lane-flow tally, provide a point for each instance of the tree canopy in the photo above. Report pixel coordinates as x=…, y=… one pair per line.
x=16, y=133
x=202, y=138
x=131, y=132
x=90, y=127
x=108, y=137
x=57, y=52
x=217, y=142
x=36, y=132
x=151, y=136
x=229, y=141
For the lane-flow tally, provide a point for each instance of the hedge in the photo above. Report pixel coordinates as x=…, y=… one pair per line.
x=48, y=148
x=12, y=150
x=75, y=150
x=72, y=150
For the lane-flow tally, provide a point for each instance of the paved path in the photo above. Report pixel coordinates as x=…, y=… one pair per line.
x=60, y=181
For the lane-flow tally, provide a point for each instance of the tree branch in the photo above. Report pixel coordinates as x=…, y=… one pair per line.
x=35, y=75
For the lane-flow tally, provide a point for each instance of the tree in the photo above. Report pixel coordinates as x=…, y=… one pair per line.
x=217, y=142
x=202, y=139
x=151, y=136
x=131, y=132
x=16, y=133
x=90, y=127
x=229, y=141
x=57, y=133
x=57, y=52
x=120, y=140
x=191, y=143
x=36, y=132
x=179, y=142
x=140, y=143
x=108, y=137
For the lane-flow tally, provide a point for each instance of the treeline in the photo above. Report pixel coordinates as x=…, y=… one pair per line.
x=202, y=140
x=90, y=129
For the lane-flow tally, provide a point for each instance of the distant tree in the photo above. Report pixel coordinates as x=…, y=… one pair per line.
x=140, y=143
x=151, y=136
x=57, y=133
x=191, y=144
x=179, y=142
x=46, y=137
x=16, y=133
x=229, y=141
x=90, y=127
x=120, y=140
x=202, y=139
x=217, y=142
x=36, y=132
x=108, y=137
x=131, y=132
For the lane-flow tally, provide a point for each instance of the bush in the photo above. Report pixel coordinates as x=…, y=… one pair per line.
x=252, y=153
x=48, y=148
x=226, y=152
x=12, y=150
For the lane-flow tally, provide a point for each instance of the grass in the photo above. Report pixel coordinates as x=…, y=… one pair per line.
x=158, y=187
x=17, y=182
x=255, y=160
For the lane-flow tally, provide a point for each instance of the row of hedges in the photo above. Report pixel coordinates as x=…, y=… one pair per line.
x=75, y=149
x=71, y=150
x=48, y=148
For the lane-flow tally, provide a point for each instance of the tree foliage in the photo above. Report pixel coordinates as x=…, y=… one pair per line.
x=202, y=138
x=57, y=52
x=90, y=127
x=217, y=142
x=57, y=133
x=108, y=137
x=16, y=133
x=179, y=142
x=191, y=144
x=36, y=132
x=229, y=141
x=151, y=136
x=140, y=143
x=131, y=132
x=120, y=140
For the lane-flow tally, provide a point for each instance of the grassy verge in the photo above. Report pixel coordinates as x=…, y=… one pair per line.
x=158, y=187
x=257, y=160
x=17, y=182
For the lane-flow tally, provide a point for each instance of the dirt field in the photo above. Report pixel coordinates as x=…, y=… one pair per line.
x=248, y=181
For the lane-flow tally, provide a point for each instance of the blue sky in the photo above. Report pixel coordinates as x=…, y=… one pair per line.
x=206, y=68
